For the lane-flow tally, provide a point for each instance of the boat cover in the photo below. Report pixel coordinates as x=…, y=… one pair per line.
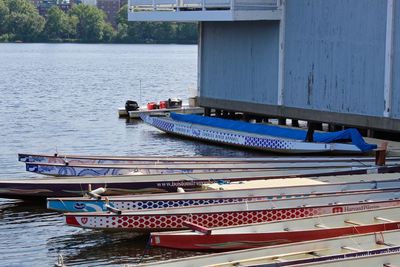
x=351, y=134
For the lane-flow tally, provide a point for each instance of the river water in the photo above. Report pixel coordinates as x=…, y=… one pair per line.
x=64, y=98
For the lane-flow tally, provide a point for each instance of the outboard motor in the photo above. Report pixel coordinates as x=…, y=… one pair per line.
x=174, y=103
x=131, y=105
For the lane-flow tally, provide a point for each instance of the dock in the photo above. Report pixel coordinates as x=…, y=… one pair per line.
x=159, y=112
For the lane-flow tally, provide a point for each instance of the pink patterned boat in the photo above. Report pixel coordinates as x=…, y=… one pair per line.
x=233, y=213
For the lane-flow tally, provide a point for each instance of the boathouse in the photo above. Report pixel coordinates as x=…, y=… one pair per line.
x=332, y=61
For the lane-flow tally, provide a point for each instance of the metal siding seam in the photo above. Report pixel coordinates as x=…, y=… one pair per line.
x=281, y=59
x=388, y=86
x=199, y=61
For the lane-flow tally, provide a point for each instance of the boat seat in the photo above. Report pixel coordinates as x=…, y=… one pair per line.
x=352, y=249
x=383, y=219
x=318, y=225
x=352, y=222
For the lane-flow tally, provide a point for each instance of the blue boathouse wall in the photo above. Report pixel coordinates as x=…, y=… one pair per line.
x=333, y=67
x=240, y=61
x=335, y=56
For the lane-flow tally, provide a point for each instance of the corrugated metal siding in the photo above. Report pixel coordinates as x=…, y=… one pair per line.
x=396, y=64
x=240, y=61
x=334, y=55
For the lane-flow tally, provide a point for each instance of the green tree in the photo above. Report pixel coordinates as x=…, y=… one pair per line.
x=73, y=24
x=153, y=32
x=91, y=22
x=23, y=20
x=108, y=33
x=122, y=17
x=4, y=11
x=187, y=32
x=58, y=24
x=122, y=33
x=163, y=32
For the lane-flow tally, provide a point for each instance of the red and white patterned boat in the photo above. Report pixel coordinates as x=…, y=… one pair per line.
x=281, y=232
x=233, y=213
x=365, y=250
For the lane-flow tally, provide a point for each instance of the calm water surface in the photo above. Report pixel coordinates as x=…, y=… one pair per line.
x=64, y=98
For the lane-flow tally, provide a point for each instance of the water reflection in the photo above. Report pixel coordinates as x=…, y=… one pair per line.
x=130, y=122
x=109, y=248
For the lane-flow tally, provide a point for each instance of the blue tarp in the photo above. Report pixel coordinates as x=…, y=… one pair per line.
x=327, y=137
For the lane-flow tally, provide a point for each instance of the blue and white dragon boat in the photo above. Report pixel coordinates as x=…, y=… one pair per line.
x=39, y=188
x=287, y=188
x=70, y=169
x=259, y=136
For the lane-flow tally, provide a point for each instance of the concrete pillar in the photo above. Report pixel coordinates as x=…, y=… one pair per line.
x=282, y=121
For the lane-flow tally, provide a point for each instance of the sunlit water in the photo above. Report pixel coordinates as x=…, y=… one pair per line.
x=64, y=98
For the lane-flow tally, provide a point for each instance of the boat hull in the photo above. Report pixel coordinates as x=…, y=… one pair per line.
x=225, y=214
x=124, y=185
x=56, y=169
x=170, y=200
x=373, y=249
x=83, y=159
x=235, y=241
x=32, y=191
x=243, y=139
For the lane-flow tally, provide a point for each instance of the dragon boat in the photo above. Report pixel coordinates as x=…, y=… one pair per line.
x=270, y=189
x=280, y=232
x=229, y=214
x=259, y=136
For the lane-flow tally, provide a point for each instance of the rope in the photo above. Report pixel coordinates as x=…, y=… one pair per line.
x=145, y=250
x=62, y=202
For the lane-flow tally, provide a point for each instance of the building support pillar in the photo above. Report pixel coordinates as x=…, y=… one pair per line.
x=207, y=112
x=295, y=123
x=282, y=121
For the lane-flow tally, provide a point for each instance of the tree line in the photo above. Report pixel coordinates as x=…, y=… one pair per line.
x=20, y=21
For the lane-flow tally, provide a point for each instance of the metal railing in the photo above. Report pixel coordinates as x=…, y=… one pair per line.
x=196, y=5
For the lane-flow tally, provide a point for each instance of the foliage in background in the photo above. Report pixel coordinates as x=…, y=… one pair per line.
x=59, y=25
x=153, y=32
x=20, y=21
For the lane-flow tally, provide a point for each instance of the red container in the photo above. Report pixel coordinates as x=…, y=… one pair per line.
x=151, y=105
x=163, y=104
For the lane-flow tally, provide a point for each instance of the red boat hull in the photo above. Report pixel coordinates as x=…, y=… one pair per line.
x=234, y=241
